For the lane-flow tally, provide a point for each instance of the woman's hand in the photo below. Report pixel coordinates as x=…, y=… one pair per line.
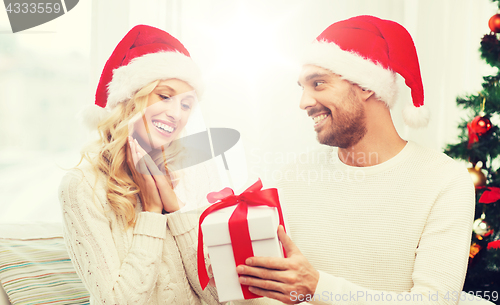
x=155, y=190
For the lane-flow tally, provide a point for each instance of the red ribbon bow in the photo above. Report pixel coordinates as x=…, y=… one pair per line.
x=238, y=224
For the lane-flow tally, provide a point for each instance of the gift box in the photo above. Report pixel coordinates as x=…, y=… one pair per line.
x=263, y=225
x=235, y=228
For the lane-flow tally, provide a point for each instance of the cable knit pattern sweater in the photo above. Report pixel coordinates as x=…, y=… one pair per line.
x=151, y=263
x=399, y=230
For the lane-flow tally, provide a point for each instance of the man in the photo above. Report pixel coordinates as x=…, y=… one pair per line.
x=385, y=220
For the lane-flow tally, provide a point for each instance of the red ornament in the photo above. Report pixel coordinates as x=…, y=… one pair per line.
x=494, y=245
x=494, y=23
x=478, y=127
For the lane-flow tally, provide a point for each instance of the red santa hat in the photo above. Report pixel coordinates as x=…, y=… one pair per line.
x=369, y=51
x=144, y=55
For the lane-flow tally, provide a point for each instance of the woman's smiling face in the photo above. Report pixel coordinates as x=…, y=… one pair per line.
x=168, y=109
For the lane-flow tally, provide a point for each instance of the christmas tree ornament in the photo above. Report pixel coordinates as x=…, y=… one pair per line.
x=477, y=176
x=492, y=194
x=474, y=250
x=478, y=127
x=481, y=125
x=481, y=227
x=494, y=245
x=494, y=23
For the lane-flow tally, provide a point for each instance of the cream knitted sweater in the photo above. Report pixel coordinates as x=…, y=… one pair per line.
x=396, y=231
x=152, y=263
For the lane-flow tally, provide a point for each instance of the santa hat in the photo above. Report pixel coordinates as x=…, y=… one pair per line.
x=144, y=55
x=369, y=51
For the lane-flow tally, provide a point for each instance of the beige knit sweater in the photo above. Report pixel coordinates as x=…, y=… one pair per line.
x=395, y=233
x=152, y=263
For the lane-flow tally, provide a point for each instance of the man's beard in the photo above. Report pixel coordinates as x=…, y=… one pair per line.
x=348, y=126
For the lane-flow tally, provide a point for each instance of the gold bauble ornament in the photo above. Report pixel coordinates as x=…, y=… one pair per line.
x=474, y=250
x=478, y=178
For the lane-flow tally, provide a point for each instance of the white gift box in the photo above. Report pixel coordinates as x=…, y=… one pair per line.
x=263, y=225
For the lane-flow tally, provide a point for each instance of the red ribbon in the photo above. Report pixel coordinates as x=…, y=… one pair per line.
x=238, y=224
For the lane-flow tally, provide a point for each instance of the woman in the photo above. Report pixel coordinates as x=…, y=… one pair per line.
x=126, y=240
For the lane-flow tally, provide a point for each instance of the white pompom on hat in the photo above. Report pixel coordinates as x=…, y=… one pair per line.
x=144, y=55
x=369, y=51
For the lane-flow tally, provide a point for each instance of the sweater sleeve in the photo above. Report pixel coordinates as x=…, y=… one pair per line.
x=440, y=258
x=184, y=228
x=94, y=254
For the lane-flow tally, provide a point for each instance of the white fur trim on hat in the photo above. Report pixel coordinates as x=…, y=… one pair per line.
x=150, y=67
x=92, y=115
x=416, y=117
x=355, y=68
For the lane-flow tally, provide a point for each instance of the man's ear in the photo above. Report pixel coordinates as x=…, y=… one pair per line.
x=365, y=94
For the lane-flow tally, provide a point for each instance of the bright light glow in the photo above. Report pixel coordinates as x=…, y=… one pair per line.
x=246, y=43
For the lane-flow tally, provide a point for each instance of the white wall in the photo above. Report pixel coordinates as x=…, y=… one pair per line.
x=248, y=53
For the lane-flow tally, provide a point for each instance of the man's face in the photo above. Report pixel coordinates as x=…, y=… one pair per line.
x=334, y=105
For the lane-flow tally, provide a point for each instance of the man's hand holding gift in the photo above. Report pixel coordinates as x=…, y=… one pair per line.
x=280, y=278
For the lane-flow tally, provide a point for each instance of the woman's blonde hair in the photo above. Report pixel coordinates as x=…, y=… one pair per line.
x=108, y=154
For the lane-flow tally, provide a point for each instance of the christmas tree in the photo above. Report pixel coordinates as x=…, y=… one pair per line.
x=480, y=145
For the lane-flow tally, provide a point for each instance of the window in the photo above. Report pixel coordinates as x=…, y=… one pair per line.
x=44, y=80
